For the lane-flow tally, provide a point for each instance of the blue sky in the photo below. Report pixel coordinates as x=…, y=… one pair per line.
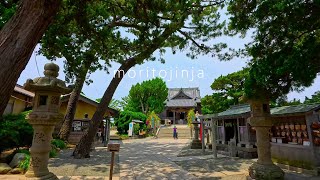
x=206, y=67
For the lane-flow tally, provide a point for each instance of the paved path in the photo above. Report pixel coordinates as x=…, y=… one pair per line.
x=154, y=159
x=151, y=159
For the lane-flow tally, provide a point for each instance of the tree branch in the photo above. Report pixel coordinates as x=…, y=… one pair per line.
x=190, y=38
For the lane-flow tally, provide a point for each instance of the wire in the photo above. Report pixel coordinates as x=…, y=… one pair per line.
x=35, y=59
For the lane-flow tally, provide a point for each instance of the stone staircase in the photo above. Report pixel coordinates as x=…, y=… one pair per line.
x=183, y=132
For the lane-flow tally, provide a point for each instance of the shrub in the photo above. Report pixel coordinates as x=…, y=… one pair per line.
x=15, y=131
x=58, y=143
x=136, y=128
x=25, y=163
x=125, y=118
x=53, y=153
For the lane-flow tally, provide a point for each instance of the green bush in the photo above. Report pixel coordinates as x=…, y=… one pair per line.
x=15, y=131
x=58, y=143
x=25, y=163
x=125, y=118
x=136, y=128
x=53, y=153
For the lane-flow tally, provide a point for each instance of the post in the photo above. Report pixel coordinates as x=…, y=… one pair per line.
x=112, y=148
x=214, y=140
x=111, y=165
x=109, y=130
x=202, y=134
x=105, y=133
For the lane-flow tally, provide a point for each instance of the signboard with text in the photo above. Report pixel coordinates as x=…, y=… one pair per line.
x=130, y=129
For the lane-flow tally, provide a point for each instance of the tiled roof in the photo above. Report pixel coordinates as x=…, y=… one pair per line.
x=181, y=103
x=301, y=108
x=191, y=92
x=245, y=108
x=20, y=90
x=235, y=110
x=65, y=98
x=192, y=97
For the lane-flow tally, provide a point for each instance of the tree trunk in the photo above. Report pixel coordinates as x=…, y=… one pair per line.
x=82, y=150
x=71, y=110
x=18, y=39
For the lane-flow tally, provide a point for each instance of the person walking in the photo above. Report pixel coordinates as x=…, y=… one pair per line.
x=175, y=133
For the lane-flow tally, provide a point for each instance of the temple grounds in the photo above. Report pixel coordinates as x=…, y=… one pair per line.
x=153, y=159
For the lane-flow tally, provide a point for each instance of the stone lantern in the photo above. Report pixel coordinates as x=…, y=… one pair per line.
x=262, y=121
x=43, y=118
x=196, y=143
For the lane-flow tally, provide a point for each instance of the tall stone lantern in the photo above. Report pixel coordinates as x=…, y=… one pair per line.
x=262, y=122
x=44, y=116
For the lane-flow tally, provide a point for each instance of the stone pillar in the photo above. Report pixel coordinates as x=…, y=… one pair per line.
x=45, y=114
x=214, y=139
x=196, y=143
x=260, y=119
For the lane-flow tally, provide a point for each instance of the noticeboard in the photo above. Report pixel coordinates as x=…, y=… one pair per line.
x=130, y=129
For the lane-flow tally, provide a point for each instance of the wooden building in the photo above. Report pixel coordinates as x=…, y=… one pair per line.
x=295, y=135
x=20, y=100
x=179, y=102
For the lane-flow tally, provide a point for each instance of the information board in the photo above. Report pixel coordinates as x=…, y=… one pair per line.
x=130, y=129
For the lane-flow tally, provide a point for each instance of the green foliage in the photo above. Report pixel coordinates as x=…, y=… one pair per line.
x=148, y=96
x=15, y=131
x=25, y=163
x=124, y=136
x=53, y=153
x=59, y=143
x=191, y=116
x=228, y=90
x=10, y=157
x=231, y=86
x=285, y=47
x=152, y=116
x=125, y=117
x=7, y=9
x=86, y=32
x=136, y=128
x=114, y=104
x=315, y=98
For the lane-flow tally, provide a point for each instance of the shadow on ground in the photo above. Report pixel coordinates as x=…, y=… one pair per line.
x=97, y=165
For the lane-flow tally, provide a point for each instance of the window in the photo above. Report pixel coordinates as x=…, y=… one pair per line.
x=43, y=100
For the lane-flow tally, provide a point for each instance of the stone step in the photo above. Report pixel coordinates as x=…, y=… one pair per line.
x=183, y=133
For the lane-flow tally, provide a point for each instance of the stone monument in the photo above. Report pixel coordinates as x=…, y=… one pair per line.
x=196, y=143
x=43, y=118
x=260, y=119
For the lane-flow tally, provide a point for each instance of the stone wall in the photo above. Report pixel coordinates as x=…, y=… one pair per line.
x=292, y=152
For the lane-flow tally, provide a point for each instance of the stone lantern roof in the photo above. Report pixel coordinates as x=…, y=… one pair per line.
x=49, y=82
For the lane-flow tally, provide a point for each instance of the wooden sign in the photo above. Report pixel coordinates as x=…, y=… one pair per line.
x=114, y=147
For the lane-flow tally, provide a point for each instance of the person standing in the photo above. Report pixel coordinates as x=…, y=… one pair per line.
x=175, y=133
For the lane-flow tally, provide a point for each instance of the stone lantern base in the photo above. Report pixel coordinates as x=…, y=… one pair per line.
x=49, y=176
x=196, y=144
x=265, y=172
